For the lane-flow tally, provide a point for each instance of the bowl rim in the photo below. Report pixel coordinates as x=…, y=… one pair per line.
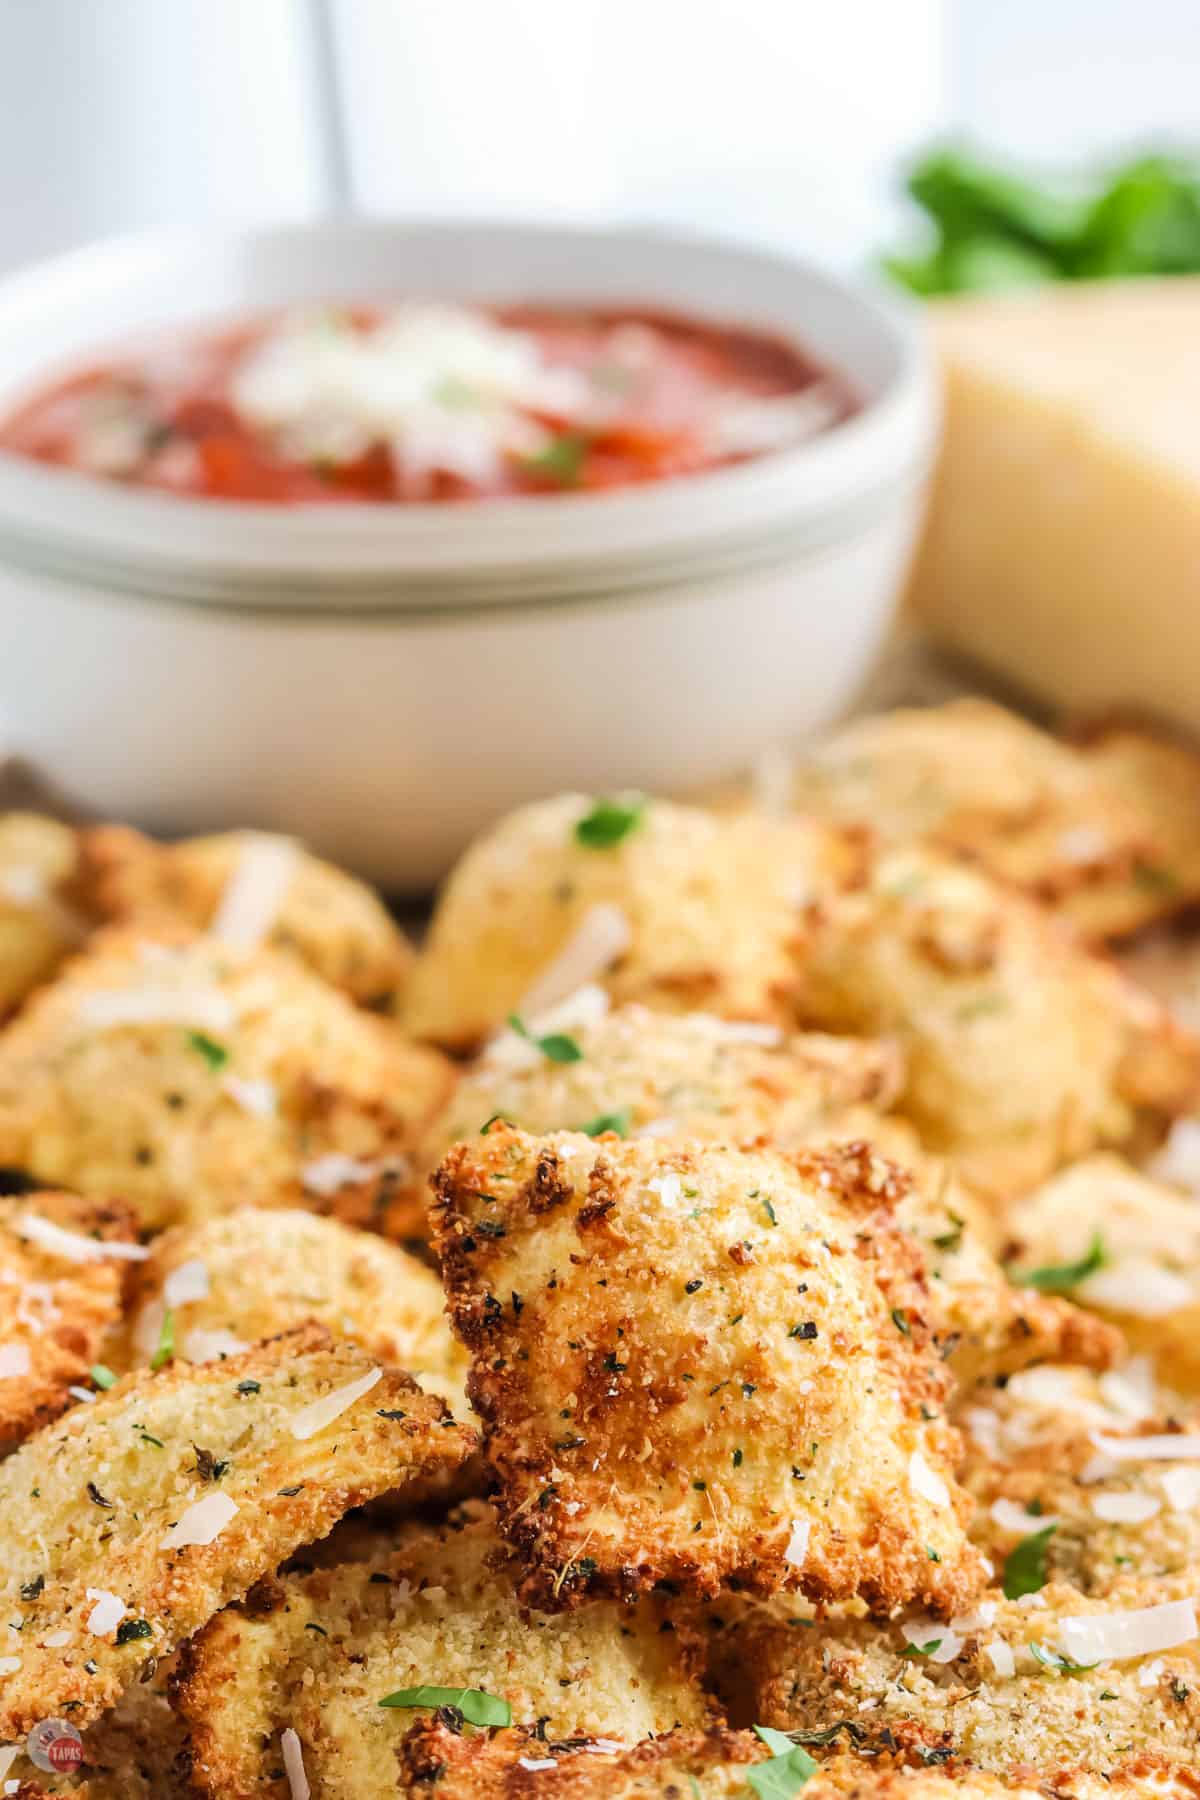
x=245, y=552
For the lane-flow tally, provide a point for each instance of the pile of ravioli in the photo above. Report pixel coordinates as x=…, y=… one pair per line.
x=721, y=1319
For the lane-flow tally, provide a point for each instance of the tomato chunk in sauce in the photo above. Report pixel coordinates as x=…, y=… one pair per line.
x=429, y=402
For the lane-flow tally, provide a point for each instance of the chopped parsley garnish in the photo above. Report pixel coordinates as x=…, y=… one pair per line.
x=208, y=1466
x=737, y=1459
x=214, y=1054
x=952, y=1239
x=786, y=1772
x=1025, y=1567
x=31, y=1589
x=1059, y=1278
x=922, y=1649
x=1059, y=1665
x=249, y=1387
x=770, y=1211
x=609, y=821
x=900, y=1321
x=496, y=1119
x=102, y=1375
x=130, y=1630
x=476, y=1705
x=806, y=1329
x=166, y=1341
x=613, y=1121
x=556, y=1048
x=97, y=1498
x=562, y=459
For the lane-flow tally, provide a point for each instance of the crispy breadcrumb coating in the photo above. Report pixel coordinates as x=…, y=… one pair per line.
x=190, y=1079
x=256, y=1272
x=317, y=1653
x=127, y=1524
x=38, y=926
x=701, y=1365
x=59, y=1295
x=332, y=922
x=699, y=913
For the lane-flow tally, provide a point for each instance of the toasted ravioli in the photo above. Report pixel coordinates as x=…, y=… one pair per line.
x=1021, y=1049
x=127, y=1524
x=256, y=1272
x=511, y=1765
x=191, y=1079
x=690, y=1076
x=1002, y=1686
x=701, y=1365
x=331, y=921
x=1125, y=1244
x=683, y=910
x=318, y=1653
x=61, y=1264
x=1107, y=833
x=38, y=925
x=1101, y=1513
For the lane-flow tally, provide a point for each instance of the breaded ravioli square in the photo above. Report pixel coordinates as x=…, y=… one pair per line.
x=1106, y=833
x=717, y=1765
x=62, y=1260
x=701, y=1366
x=318, y=1654
x=38, y=925
x=680, y=909
x=127, y=1524
x=256, y=1272
x=191, y=1078
x=249, y=884
x=1022, y=1050
x=1126, y=1245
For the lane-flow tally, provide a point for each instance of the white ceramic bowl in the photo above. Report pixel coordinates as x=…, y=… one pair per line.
x=383, y=682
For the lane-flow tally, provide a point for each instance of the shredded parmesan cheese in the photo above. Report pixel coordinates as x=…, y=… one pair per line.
x=1137, y=1285
x=603, y=934
x=1001, y=1657
x=260, y=1098
x=1011, y=1517
x=1139, y=1631
x=1125, y=1509
x=9, y=1665
x=255, y=891
x=1182, y=1488
x=920, y=1632
x=326, y=1174
x=926, y=1481
x=188, y=1282
x=293, y=1763
x=797, y=1545
x=55, y=1640
x=107, y=1613
x=14, y=1361
x=318, y=1413
x=1166, y=1446
x=203, y=1521
x=200, y=1345
x=203, y=1009
x=72, y=1245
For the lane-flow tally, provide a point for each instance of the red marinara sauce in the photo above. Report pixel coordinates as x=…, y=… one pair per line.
x=429, y=403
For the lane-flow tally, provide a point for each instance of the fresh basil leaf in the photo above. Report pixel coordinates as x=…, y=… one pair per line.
x=476, y=1706
x=1025, y=1566
x=556, y=1047
x=214, y=1054
x=787, y=1770
x=613, y=1121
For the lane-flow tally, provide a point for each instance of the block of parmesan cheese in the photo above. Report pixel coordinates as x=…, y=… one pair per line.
x=1063, y=543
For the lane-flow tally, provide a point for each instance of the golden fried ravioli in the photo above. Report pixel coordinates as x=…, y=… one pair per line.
x=255, y=1272
x=679, y=908
x=1125, y=1244
x=691, y=1076
x=699, y=1365
x=127, y=1524
x=511, y=1765
x=1107, y=833
x=1055, y=1680
x=1021, y=1049
x=317, y=1654
x=38, y=925
x=249, y=888
x=191, y=1079
x=136, y=1751
x=1094, y=1508
x=61, y=1264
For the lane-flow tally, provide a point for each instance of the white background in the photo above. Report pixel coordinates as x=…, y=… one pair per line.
x=781, y=120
